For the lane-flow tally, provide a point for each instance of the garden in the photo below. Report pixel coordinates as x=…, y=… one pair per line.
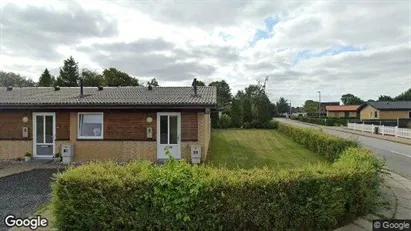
x=339, y=182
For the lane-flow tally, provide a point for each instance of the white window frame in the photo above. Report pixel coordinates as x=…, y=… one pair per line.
x=90, y=137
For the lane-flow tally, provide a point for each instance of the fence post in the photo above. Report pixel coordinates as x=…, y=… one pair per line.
x=396, y=131
x=362, y=127
x=382, y=129
x=372, y=128
x=354, y=125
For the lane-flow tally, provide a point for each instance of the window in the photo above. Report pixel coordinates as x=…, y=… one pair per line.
x=376, y=114
x=347, y=114
x=409, y=114
x=90, y=125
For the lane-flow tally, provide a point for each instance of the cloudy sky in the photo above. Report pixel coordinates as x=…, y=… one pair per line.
x=362, y=47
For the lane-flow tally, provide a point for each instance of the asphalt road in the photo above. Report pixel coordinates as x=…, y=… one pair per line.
x=21, y=194
x=398, y=156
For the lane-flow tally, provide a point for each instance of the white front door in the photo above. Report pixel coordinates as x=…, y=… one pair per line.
x=44, y=130
x=168, y=134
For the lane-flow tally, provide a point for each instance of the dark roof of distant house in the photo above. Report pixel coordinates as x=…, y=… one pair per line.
x=329, y=103
x=389, y=105
x=343, y=108
x=138, y=97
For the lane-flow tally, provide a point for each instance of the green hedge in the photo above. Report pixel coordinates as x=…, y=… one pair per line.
x=328, y=121
x=178, y=196
x=328, y=146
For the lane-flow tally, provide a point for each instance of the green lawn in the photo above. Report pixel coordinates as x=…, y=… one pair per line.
x=234, y=148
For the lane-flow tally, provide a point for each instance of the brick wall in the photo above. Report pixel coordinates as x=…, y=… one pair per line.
x=128, y=125
x=189, y=126
x=11, y=125
x=63, y=125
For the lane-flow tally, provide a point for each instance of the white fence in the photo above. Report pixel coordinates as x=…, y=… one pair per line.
x=383, y=130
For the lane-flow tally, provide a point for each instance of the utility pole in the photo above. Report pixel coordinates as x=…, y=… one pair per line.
x=290, y=107
x=319, y=104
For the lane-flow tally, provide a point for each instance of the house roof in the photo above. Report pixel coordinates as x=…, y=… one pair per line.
x=342, y=108
x=108, y=97
x=390, y=105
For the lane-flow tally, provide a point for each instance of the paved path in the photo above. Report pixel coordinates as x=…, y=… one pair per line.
x=396, y=189
x=21, y=194
x=398, y=156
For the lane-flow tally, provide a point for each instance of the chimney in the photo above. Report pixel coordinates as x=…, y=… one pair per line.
x=81, y=88
x=194, y=84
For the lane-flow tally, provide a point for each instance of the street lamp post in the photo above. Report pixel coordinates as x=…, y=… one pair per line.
x=319, y=104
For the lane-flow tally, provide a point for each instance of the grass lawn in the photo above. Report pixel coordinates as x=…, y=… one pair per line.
x=234, y=148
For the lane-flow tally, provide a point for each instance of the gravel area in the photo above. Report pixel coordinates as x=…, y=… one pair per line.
x=21, y=194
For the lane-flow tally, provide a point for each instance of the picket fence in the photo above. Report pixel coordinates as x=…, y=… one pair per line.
x=383, y=130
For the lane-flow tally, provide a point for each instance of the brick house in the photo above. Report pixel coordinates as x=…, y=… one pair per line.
x=342, y=111
x=120, y=123
x=385, y=110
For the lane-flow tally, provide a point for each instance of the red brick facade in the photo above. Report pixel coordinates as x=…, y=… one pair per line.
x=118, y=125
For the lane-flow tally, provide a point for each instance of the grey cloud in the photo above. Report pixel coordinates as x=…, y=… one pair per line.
x=37, y=31
x=139, y=58
x=212, y=13
x=222, y=54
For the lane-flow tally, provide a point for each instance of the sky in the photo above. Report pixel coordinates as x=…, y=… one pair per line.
x=361, y=47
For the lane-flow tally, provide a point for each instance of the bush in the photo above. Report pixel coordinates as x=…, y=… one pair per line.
x=178, y=196
x=330, y=147
x=225, y=121
x=327, y=121
x=272, y=124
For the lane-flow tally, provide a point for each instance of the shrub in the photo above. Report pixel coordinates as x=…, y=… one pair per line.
x=330, y=147
x=178, y=196
x=272, y=124
x=225, y=121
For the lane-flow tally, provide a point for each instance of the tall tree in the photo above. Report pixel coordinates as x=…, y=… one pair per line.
x=264, y=108
x=283, y=106
x=69, y=73
x=201, y=83
x=92, y=78
x=153, y=82
x=236, y=113
x=247, y=110
x=46, y=80
x=405, y=96
x=223, y=93
x=14, y=80
x=116, y=78
x=385, y=98
x=350, y=99
x=311, y=106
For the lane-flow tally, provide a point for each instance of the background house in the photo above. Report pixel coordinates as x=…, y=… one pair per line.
x=121, y=123
x=342, y=111
x=384, y=110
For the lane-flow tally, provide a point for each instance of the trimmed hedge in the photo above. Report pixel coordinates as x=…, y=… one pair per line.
x=328, y=146
x=328, y=121
x=178, y=196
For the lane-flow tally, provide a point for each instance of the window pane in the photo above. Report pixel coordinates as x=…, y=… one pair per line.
x=173, y=129
x=91, y=125
x=163, y=129
x=49, y=129
x=40, y=129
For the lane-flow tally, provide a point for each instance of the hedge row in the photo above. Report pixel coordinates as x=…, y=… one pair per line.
x=329, y=121
x=330, y=147
x=178, y=196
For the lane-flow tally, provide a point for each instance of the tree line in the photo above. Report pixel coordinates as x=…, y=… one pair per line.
x=69, y=75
